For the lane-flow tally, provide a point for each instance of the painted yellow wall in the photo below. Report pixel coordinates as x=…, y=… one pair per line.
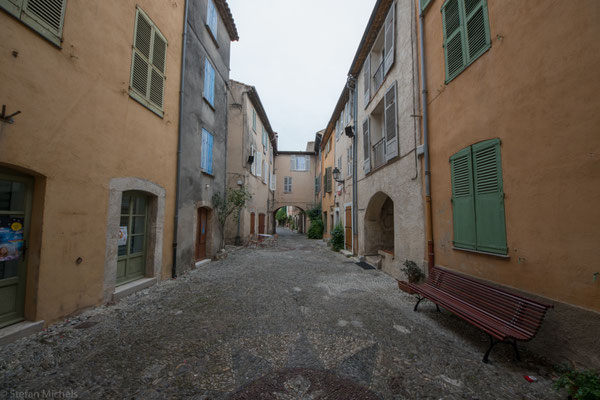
x=537, y=90
x=79, y=129
x=328, y=200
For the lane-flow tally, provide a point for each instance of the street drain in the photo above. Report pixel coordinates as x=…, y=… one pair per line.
x=364, y=265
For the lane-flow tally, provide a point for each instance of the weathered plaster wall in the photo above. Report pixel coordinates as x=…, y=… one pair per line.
x=399, y=178
x=196, y=185
x=539, y=96
x=328, y=199
x=78, y=130
x=303, y=183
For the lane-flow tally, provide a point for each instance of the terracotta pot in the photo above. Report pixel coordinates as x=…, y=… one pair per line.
x=402, y=285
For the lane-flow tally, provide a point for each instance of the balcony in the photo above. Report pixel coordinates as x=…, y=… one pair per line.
x=379, y=153
x=377, y=78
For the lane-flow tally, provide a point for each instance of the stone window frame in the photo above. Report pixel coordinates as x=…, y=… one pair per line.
x=156, y=222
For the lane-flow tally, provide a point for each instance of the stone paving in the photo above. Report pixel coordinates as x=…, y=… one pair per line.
x=290, y=321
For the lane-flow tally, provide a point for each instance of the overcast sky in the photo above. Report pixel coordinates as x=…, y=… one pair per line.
x=297, y=54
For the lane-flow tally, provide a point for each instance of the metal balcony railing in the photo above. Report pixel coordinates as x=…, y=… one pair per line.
x=379, y=153
x=377, y=78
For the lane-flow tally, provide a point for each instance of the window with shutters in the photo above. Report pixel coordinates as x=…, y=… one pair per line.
x=300, y=163
x=317, y=185
x=381, y=57
x=349, y=160
x=258, y=161
x=209, y=82
x=478, y=198
x=266, y=171
x=366, y=145
x=273, y=182
x=212, y=19
x=265, y=139
x=339, y=167
x=206, y=153
x=253, y=165
x=254, y=120
x=287, y=184
x=46, y=17
x=148, y=63
x=466, y=34
x=328, y=179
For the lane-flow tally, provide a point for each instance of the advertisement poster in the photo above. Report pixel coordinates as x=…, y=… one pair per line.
x=122, y=236
x=11, y=238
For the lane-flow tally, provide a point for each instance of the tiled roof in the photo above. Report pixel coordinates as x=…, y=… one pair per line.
x=225, y=12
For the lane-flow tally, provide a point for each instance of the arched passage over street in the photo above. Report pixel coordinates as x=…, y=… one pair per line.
x=296, y=218
x=379, y=225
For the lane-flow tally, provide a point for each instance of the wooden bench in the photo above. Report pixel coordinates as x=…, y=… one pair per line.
x=504, y=316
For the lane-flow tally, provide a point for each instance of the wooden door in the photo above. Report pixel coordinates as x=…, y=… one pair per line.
x=261, y=223
x=348, y=228
x=15, y=211
x=201, y=234
x=133, y=235
x=252, y=217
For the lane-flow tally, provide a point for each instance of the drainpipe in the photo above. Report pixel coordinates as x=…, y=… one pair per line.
x=353, y=92
x=428, y=213
x=179, y=135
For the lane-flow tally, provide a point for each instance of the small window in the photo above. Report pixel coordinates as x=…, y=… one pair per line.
x=265, y=140
x=148, y=64
x=273, y=184
x=466, y=34
x=258, y=161
x=206, y=163
x=349, y=160
x=478, y=198
x=209, y=82
x=254, y=120
x=211, y=18
x=253, y=165
x=43, y=16
x=287, y=184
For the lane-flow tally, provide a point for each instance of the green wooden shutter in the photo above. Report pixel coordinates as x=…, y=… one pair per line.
x=477, y=27
x=424, y=4
x=463, y=202
x=489, y=197
x=148, y=64
x=454, y=43
x=12, y=7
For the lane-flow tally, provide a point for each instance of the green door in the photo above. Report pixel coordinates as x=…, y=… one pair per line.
x=15, y=211
x=131, y=264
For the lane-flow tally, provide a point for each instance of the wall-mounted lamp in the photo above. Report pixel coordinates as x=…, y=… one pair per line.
x=336, y=175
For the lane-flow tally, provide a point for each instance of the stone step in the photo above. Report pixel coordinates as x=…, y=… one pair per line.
x=375, y=261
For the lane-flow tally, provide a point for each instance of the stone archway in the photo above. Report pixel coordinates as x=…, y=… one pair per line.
x=301, y=220
x=156, y=221
x=379, y=225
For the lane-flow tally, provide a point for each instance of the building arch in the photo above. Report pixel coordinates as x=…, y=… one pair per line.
x=379, y=224
x=155, y=227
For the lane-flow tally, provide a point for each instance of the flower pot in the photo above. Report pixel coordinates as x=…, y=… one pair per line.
x=402, y=285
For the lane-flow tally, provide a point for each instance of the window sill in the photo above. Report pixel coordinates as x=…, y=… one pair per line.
x=207, y=174
x=209, y=104
x=486, y=253
x=145, y=103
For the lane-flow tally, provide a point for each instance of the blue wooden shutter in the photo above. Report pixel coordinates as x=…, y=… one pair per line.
x=489, y=197
x=211, y=18
x=209, y=155
x=391, y=125
x=454, y=42
x=463, y=202
x=389, y=39
x=209, y=82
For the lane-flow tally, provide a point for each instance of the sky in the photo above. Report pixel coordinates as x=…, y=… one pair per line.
x=297, y=54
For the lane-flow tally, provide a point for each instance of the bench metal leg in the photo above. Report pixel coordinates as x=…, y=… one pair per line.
x=420, y=300
x=487, y=353
x=516, y=350
x=438, y=308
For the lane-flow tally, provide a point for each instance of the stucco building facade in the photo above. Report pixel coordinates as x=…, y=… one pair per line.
x=251, y=146
x=203, y=137
x=390, y=203
x=87, y=188
x=514, y=144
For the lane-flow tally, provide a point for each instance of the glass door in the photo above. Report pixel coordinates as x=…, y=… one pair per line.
x=15, y=211
x=131, y=262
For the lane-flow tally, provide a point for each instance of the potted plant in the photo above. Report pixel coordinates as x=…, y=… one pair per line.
x=580, y=385
x=414, y=275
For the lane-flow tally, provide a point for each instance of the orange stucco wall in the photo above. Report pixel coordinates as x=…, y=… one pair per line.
x=79, y=129
x=537, y=89
x=327, y=202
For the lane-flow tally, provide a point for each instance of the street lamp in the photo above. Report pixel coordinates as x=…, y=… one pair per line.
x=336, y=175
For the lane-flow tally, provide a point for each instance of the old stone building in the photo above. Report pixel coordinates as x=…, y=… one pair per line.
x=251, y=146
x=390, y=203
x=203, y=136
x=87, y=188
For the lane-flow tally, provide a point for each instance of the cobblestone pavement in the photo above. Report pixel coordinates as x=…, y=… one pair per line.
x=292, y=321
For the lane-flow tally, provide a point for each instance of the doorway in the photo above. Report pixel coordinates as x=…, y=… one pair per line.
x=15, y=214
x=349, y=228
x=261, y=224
x=252, y=223
x=201, y=234
x=133, y=235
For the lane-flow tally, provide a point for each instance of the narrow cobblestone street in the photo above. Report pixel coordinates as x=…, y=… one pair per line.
x=292, y=321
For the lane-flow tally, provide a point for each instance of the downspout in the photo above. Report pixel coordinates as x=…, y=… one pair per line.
x=428, y=213
x=353, y=93
x=179, y=135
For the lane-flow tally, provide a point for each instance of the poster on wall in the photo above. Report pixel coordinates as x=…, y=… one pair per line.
x=122, y=236
x=11, y=238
